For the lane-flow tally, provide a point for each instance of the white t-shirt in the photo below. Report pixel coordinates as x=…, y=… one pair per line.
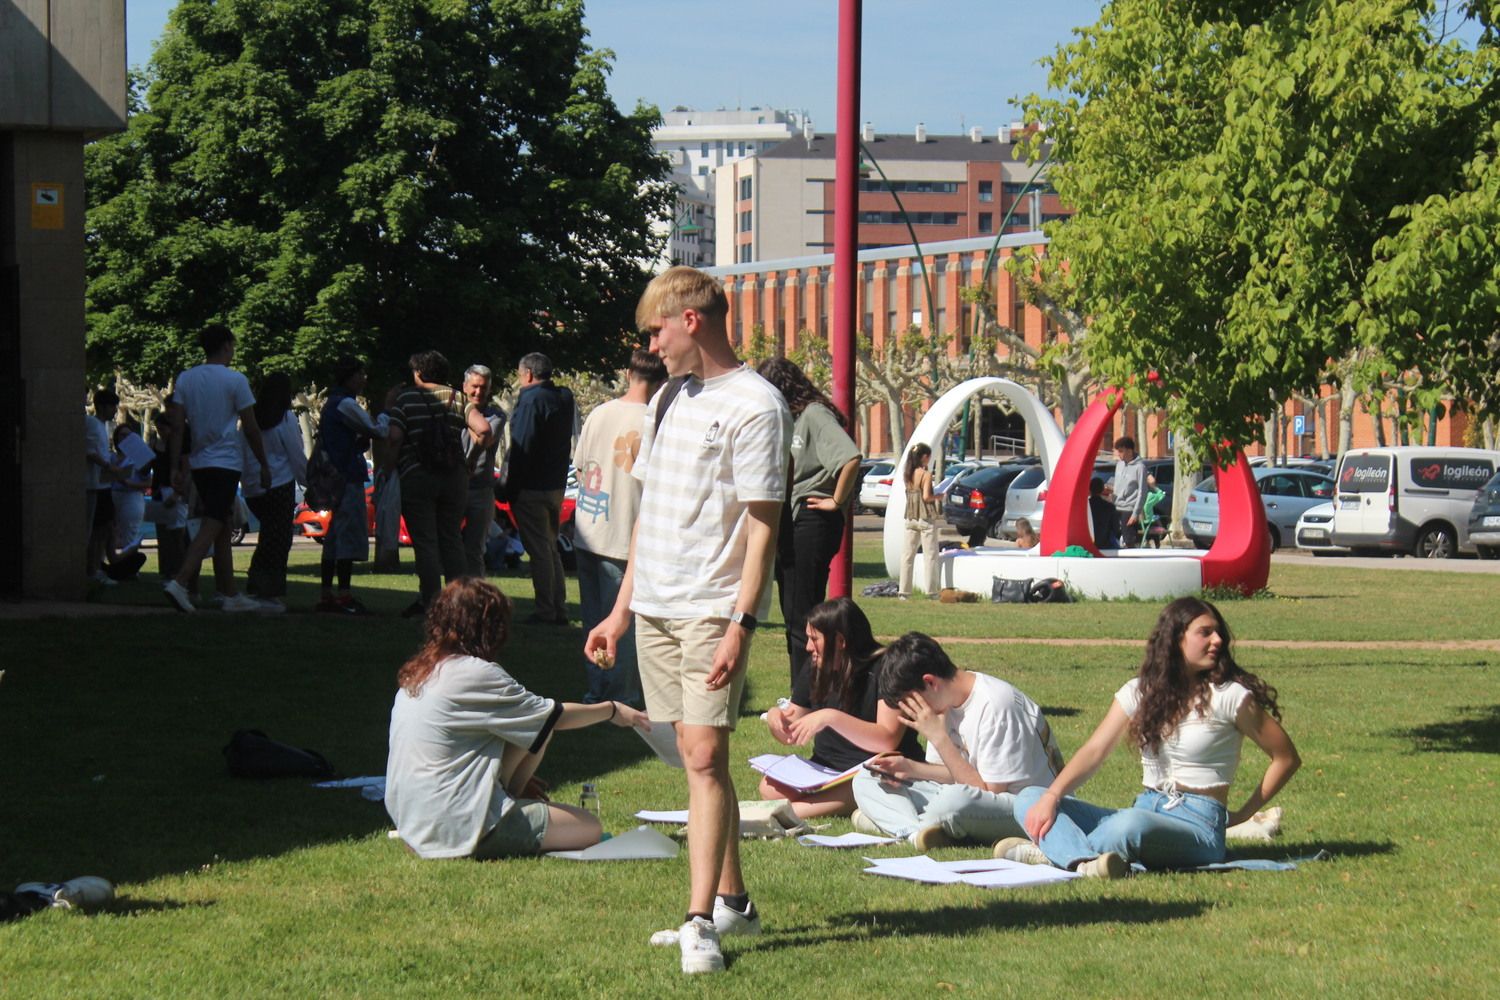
x=609, y=497
x=284, y=451
x=213, y=396
x=442, y=778
x=1004, y=736
x=1204, y=750
x=722, y=445
x=96, y=443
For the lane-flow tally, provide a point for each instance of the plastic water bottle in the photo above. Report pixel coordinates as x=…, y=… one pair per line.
x=588, y=799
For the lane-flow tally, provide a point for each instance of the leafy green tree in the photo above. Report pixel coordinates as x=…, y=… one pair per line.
x=376, y=176
x=1259, y=185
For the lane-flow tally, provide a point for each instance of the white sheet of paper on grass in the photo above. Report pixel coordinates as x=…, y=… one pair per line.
x=640, y=844
x=986, y=873
x=677, y=816
x=662, y=738
x=803, y=775
x=854, y=839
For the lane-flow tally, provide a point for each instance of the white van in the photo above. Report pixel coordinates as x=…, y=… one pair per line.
x=1409, y=499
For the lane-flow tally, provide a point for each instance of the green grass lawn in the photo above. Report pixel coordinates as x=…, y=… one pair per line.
x=110, y=730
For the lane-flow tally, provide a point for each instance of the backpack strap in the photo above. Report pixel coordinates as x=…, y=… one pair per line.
x=668, y=394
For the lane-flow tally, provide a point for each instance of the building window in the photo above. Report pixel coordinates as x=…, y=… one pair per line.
x=745, y=254
x=745, y=219
x=703, y=170
x=909, y=187
x=703, y=150
x=917, y=218
x=742, y=149
x=986, y=222
x=1014, y=188
x=986, y=190
x=745, y=189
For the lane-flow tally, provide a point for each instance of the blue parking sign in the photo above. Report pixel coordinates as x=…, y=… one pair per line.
x=1299, y=425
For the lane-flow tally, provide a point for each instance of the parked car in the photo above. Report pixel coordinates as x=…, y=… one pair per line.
x=975, y=503
x=1027, y=495
x=1410, y=498
x=1484, y=520
x=875, y=485
x=1284, y=492
x=1315, y=531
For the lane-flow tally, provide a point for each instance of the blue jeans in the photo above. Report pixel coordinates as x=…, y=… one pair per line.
x=1157, y=830
x=599, y=579
x=965, y=813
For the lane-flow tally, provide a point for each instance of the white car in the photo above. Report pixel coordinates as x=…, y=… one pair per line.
x=875, y=490
x=1314, y=531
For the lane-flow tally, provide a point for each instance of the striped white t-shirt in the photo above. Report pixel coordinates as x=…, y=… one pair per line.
x=723, y=444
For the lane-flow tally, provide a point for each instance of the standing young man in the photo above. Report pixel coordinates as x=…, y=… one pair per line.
x=479, y=509
x=541, y=437
x=214, y=401
x=1130, y=491
x=698, y=577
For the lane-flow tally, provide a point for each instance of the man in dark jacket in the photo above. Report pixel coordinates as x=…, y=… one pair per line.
x=541, y=439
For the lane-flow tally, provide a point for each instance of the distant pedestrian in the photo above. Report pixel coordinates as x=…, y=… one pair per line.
x=274, y=507
x=427, y=423
x=1130, y=491
x=100, y=472
x=1102, y=515
x=609, y=499
x=345, y=430
x=921, y=521
x=824, y=476
x=167, y=509
x=128, y=497
x=541, y=433
x=215, y=401
x=479, y=511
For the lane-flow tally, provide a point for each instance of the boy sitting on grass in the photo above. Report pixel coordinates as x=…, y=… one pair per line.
x=985, y=741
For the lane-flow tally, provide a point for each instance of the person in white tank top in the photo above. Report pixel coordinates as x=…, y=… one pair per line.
x=1188, y=712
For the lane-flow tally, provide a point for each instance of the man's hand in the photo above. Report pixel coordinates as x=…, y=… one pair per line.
x=917, y=714
x=605, y=639
x=726, y=658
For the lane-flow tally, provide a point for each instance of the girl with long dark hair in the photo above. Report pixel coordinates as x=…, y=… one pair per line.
x=921, y=521
x=823, y=475
x=1187, y=711
x=844, y=718
x=466, y=739
x=274, y=507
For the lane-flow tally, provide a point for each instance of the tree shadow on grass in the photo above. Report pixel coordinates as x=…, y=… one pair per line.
x=1476, y=731
x=865, y=925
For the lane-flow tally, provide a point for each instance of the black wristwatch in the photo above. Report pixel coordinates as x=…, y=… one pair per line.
x=744, y=620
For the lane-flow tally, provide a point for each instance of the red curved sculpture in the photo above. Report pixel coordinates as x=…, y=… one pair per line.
x=1240, y=556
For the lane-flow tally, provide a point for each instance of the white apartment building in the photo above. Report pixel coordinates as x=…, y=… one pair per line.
x=696, y=144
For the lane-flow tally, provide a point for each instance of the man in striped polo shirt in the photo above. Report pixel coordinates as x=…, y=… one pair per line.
x=713, y=467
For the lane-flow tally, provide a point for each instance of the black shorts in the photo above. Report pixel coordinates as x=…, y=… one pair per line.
x=104, y=507
x=216, y=489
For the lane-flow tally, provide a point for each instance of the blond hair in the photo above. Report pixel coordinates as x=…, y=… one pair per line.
x=677, y=289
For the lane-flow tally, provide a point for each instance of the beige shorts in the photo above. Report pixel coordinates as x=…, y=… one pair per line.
x=675, y=656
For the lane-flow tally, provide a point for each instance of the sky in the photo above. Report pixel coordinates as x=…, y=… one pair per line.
x=950, y=64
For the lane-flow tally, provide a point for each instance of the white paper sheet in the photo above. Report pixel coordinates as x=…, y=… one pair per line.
x=678, y=816
x=984, y=873
x=662, y=738
x=796, y=772
x=138, y=453
x=640, y=844
x=854, y=839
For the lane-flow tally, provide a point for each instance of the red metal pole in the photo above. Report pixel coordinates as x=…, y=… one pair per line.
x=845, y=251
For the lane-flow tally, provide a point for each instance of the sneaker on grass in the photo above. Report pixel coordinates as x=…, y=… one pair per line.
x=82, y=893
x=178, y=596
x=699, y=941
x=1107, y=865
x=1020, y=849
x=932, y=837
x=727, y=921
x=241, y=604
x=863, y=824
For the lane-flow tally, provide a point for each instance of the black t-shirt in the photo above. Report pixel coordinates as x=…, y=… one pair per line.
x=832, y=750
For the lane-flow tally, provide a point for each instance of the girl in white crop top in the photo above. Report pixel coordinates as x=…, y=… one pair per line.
x=1187, y=712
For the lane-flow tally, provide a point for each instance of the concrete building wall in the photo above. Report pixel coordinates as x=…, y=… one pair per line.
x=62, y=65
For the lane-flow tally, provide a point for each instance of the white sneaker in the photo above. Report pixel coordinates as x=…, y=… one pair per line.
x=178, y=595
x=863, y=824
x=84, y=892
x=1020, y=849
x=241, y=603
x=1107, y=865
x=727, y=921
x=699, y=941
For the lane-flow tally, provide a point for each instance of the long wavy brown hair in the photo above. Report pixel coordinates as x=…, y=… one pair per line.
x=1168, y=691
x=797, y=388
x=844, y=675
x=469, y=618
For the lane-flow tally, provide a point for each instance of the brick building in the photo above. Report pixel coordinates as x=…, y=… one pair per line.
x=779, y=203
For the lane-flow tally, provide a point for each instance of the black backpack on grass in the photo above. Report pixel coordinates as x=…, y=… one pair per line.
x=252, y=754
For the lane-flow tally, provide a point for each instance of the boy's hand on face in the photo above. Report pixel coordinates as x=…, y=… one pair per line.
x=917, y=714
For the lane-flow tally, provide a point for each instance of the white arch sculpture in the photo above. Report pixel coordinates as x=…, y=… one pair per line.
x=1142, y=573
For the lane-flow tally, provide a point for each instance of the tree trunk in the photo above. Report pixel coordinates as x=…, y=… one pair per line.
x=1186, y=478
x=1346, y=416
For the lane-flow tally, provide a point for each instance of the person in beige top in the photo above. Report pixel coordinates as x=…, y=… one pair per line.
x=921, y=521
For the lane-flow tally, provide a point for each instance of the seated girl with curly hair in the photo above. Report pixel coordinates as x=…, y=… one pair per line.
x=466, y=739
